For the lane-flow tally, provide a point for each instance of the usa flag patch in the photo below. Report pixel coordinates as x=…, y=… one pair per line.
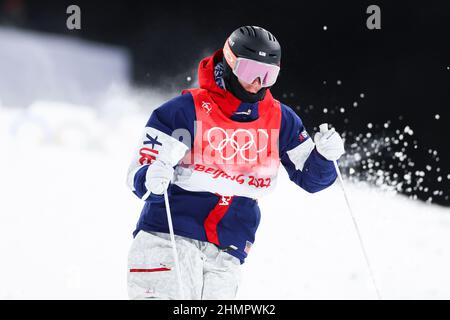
x=303, y=136
x=248, y=246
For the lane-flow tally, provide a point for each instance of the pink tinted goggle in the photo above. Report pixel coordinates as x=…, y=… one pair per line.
x=248, y=70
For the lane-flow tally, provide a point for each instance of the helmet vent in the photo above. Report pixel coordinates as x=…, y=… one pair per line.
x=271, y=37
x=249, y=49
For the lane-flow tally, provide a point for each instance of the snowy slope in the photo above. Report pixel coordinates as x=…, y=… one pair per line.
x=66, y=219
x=307, y=247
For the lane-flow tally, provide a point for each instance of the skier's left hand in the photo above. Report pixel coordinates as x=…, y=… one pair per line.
x=329, y=144
x=158, y=177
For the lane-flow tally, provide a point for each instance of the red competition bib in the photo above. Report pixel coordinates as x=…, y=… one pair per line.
x=230, y=157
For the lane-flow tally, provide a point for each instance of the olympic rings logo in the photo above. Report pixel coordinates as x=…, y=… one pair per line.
x=230, y=140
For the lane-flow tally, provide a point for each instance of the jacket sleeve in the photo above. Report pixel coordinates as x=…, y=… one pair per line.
x=305, y=166
x=167, y=136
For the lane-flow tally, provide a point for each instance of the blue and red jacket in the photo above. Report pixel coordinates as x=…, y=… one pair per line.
x=218, y=202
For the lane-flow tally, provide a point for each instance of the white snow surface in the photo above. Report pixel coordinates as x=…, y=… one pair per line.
x=66, y=218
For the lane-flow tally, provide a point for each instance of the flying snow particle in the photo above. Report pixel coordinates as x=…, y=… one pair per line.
x=189, y=79
x=362, y=95
x=339, y=82
x=369, y=125
x=325, y=28
x=408, y=130
x=342, y=110
x=437, y=116
x=325, y=110
x=355, y=104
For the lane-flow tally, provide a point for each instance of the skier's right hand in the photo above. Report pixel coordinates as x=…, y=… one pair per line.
x=329, y=144
x=158, y=177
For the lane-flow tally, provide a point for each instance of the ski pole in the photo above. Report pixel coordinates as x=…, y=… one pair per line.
x=174, y=247
x=324, y=128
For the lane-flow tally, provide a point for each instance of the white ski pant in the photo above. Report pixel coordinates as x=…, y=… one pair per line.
x=207, y=272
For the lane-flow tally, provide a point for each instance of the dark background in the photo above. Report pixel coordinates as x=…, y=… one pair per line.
x=402, y=70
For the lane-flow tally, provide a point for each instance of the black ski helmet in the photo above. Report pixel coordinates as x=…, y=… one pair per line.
x=254, y=43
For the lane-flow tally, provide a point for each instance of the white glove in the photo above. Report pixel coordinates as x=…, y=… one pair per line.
x=158, y=177
x=329, y=144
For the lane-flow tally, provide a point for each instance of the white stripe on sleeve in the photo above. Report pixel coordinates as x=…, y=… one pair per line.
x=299, y=154
x=163, y=147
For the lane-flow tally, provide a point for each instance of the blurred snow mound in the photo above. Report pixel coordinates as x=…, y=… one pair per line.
x=36, y=66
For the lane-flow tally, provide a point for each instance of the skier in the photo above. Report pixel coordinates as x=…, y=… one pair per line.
x=217, y=149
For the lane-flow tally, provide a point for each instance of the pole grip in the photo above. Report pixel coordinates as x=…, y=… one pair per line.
x=323, y=127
